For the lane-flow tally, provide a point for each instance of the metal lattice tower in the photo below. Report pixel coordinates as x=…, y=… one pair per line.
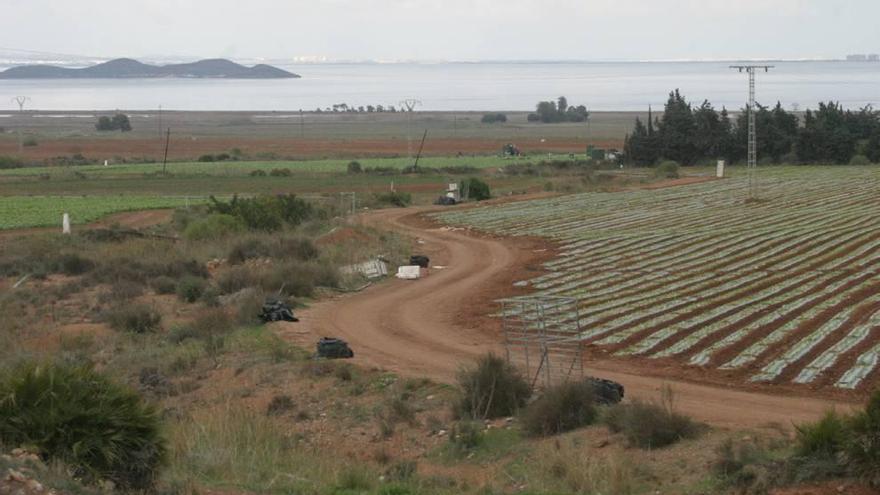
x=753, y=136
x=542, y=337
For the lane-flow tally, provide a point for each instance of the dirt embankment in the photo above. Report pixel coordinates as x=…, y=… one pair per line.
x=433, y=326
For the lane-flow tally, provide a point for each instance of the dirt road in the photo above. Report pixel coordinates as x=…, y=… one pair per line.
x=416, y=328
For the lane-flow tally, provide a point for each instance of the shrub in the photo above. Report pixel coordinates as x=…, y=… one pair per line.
x=561, y=408
x=476, y=189
x=10, y=162
x=137, y=318
x=237, y=278
x=257, y=173
x=247, y=249
x=354, y=168
x=651, y=425
x=493, y=118
x=491, y=389
x=395, y=198
x=29, y=141
x=859, y=160
x=267, y=213
x=280, y=172
x=74, y=264
x=214, y=226
x=190, y=289
x=279, y=405
x=863, y=448
x=163, y=285
x=206, y=158
x=824, y=438
x=82, y=418
x=666, y=170
x=466, y=435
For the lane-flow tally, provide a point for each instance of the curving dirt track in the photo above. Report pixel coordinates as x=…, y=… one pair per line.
x=431, y=327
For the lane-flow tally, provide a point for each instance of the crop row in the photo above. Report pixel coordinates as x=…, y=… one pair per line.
x=785, y=288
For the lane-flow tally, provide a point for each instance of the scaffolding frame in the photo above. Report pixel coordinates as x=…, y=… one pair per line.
x=542, y=338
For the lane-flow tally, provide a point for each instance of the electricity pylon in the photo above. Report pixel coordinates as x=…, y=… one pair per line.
x=753, y=137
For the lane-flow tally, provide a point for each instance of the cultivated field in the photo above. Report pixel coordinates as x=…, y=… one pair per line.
x=285, y=135
x=781, y=290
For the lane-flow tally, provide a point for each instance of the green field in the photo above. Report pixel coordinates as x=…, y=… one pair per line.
x=41, y=211
x=246, y=167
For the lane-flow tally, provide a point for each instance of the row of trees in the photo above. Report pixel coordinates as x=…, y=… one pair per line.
x=549, y=112
x=688, y=135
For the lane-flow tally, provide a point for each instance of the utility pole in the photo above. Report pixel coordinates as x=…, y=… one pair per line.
x=753, y=137
x=589, y=136
x=21, y=100
x=302, y=124
x=410, y=104
x=165, y=159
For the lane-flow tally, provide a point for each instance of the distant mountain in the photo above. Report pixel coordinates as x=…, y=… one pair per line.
x=126, y=68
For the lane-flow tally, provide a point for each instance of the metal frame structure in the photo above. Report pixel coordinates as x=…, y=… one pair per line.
x=753, y=137
x=542, y=337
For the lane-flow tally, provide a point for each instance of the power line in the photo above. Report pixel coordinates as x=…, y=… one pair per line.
x=753, y=137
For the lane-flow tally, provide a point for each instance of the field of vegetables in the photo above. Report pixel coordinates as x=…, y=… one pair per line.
x=39, y=211
x=783, y=290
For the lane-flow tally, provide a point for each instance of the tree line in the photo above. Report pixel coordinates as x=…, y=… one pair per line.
x=688, y=135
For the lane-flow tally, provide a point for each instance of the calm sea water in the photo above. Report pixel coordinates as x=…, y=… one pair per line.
x=480, y=86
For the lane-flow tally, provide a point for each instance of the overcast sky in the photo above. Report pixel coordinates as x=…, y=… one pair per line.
x=445, y=30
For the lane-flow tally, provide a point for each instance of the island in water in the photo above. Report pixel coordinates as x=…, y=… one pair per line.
x=126, y=68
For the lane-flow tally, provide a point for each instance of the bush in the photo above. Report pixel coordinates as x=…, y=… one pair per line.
x=491, y=389
x=476, y=189
x=29, y=141
x=215, y=226
x=284, y=248
x=164, y=285
x=666, y=170
x=395, y=198
x=7, y=162
x=493, y=118
x=137, y=318
x=80, y=417
x=190, y=289
x=118, y=122
x=280, y=172
x=206, y=158
x=825, y=438
x=859, y=160
x=561, y=408
x=863, y=446
x=279, y=405
x=651, y=425
x=268, y=213
x=74, y=264
x=237, y=278
x=257, y=173
x=354, y=168
x=466, y=436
